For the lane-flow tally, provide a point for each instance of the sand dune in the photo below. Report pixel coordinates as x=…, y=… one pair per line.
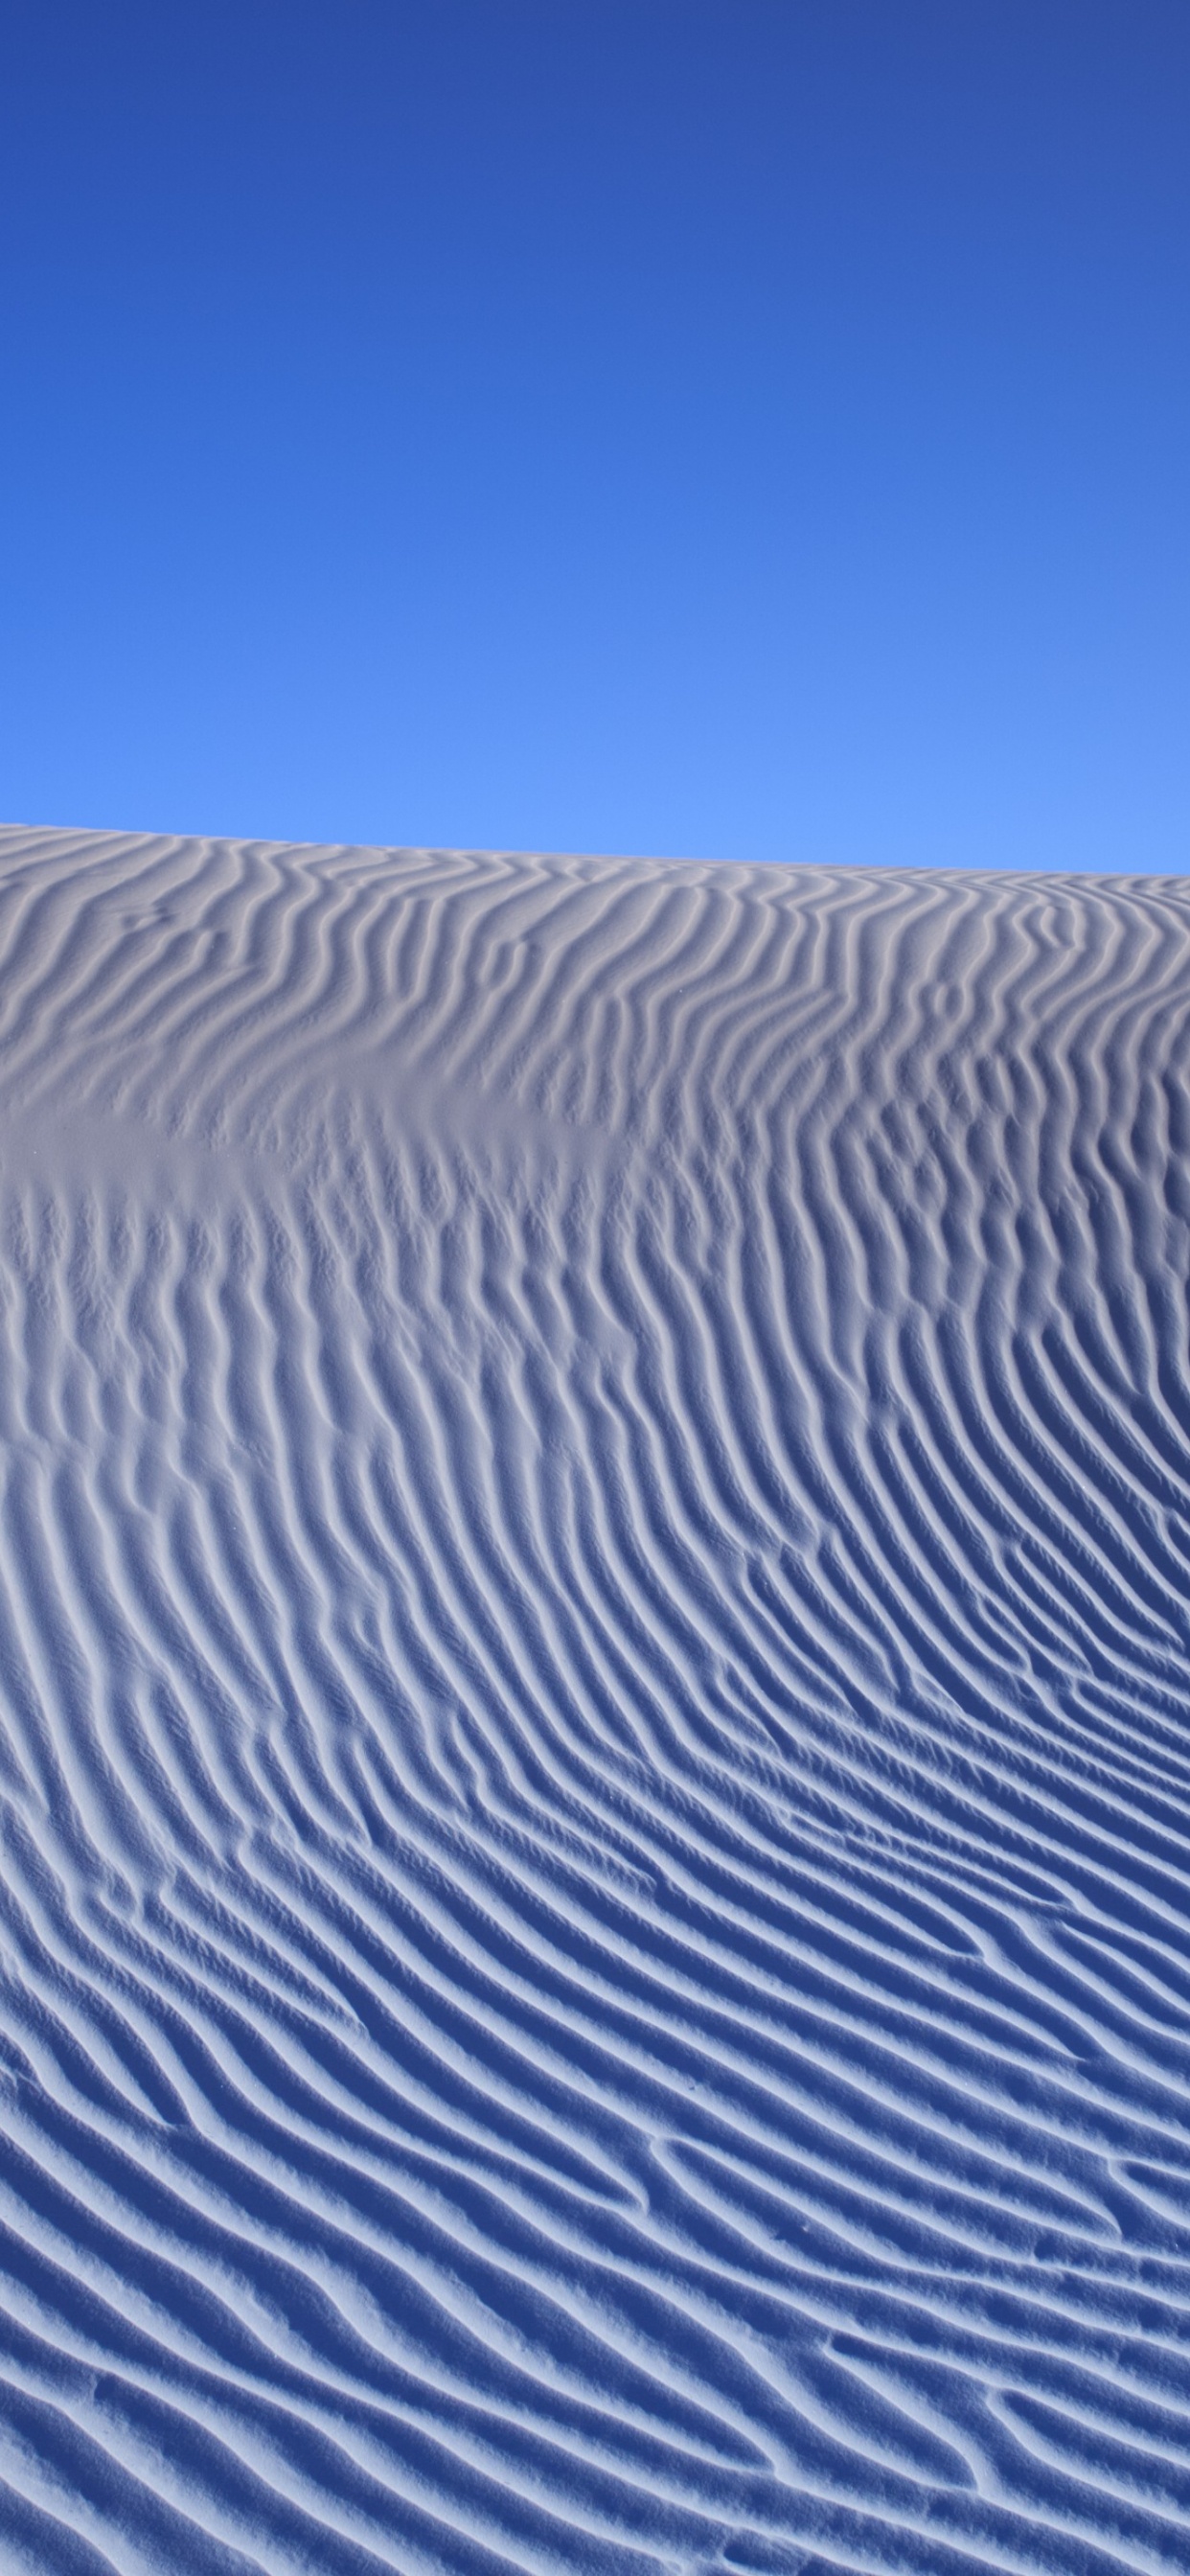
x=594, y=1716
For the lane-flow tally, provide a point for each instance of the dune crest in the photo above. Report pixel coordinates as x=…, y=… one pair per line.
x=594, y=1668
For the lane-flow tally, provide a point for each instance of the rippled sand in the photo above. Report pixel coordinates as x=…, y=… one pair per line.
x=594, y=1716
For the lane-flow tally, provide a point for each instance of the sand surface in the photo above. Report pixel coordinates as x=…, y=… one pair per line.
x=594, y=1717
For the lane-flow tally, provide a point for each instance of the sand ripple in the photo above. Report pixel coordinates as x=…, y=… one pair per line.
x=594, y=1738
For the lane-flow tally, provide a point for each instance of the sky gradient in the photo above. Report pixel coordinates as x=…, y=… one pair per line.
x=752, y=431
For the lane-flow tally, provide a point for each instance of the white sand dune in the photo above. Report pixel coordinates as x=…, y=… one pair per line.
x=594, y=1716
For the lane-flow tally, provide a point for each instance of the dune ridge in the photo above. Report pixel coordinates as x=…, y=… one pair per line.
x=594, y=1747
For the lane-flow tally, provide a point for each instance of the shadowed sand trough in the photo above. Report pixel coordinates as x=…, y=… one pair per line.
x=594, y=1716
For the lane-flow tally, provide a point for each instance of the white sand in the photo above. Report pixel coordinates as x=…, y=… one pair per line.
x=594, y=1716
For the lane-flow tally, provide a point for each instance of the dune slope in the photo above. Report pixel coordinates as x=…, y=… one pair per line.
x=594, y=1716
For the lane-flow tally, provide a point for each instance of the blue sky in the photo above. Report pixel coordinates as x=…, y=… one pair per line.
x=754, y=430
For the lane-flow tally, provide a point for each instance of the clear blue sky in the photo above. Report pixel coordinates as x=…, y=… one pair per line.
x=757, y=429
